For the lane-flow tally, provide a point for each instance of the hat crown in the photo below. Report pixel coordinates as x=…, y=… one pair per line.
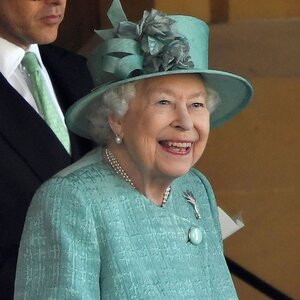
x=156, y=44
x=196, y=32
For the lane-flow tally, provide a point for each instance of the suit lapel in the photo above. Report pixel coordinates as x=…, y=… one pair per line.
x=68, y=73
x=71, y=81
x=29, y=135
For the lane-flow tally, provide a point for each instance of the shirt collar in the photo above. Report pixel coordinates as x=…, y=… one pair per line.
x=12, y=55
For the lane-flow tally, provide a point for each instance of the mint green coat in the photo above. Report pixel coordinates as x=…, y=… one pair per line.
x=89, y=235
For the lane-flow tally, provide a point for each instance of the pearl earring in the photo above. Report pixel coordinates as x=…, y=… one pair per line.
x=118, y=139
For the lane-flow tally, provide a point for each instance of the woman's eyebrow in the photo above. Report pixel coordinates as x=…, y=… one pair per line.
x=171, y=92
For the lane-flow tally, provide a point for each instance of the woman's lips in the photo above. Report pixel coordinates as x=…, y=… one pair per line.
x=178, y=148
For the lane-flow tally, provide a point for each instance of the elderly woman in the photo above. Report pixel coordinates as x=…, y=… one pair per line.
x=133, y=219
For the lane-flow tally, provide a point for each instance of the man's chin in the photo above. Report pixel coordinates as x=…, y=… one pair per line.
x=46, y=39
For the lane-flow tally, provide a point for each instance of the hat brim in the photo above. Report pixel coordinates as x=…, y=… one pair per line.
x=235, y=93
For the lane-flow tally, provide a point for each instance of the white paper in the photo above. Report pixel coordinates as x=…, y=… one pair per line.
x=228, y=225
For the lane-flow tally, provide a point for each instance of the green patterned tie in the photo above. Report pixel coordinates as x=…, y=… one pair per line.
x=43, y=99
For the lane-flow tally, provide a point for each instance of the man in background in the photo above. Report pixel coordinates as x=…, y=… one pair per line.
x=30, y=151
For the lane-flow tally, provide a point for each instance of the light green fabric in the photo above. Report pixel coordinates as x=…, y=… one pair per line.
x=43, y=100
x=90, y=235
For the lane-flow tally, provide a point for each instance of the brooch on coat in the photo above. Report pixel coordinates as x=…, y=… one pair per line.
x=195, y=234
x=190, y=198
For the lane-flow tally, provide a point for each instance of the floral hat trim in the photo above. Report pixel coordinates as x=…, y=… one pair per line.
x=149, y=46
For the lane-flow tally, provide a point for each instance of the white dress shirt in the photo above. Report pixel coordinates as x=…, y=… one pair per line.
x=10, y=66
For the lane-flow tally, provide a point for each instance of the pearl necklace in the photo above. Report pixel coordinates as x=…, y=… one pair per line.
x=119, y=170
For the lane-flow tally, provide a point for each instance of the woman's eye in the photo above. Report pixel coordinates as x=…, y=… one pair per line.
x=198, y=104
x=163, y=102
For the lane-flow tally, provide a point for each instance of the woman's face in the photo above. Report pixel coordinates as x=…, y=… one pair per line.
x=166, y=127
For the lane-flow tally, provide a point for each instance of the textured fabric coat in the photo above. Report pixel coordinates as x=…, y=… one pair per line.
x=30, y=153
x=90, y=235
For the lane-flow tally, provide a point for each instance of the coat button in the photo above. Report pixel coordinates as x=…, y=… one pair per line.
x=195, y=235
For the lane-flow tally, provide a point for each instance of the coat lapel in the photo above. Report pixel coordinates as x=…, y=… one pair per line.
x=29, y=135
x=71, y=81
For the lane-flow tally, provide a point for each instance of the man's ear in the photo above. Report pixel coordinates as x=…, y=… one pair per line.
x=116, y=124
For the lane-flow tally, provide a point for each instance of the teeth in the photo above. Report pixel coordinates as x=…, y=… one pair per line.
x=179, y=145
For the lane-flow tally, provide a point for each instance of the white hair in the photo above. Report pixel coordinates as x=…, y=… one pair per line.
x=116, y=101
x=113, y=101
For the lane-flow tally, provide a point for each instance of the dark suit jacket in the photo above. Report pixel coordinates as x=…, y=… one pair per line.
x=30, y=153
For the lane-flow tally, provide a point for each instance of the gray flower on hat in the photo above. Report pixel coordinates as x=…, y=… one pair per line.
x=161, y=47
x=155, y=24
x=174, y=55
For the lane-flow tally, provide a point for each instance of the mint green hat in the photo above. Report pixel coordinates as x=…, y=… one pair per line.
x=157, y=45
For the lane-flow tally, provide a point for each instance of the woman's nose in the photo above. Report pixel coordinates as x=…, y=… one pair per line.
x=182, y=119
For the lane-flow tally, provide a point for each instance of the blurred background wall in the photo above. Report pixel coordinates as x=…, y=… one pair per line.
x=253, y=161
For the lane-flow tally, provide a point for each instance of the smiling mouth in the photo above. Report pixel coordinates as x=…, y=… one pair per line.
x=176, y=147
